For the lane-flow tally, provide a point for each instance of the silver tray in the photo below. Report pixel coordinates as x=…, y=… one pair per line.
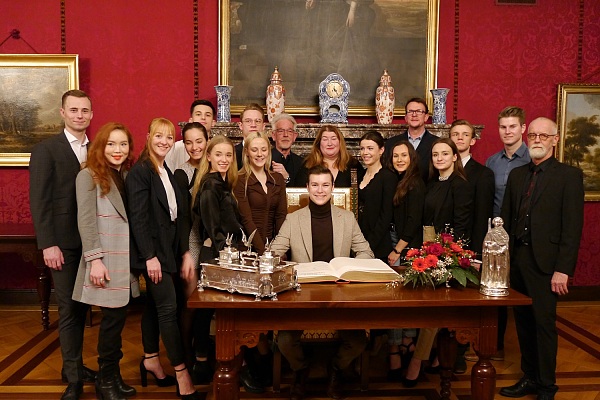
x=248, y=279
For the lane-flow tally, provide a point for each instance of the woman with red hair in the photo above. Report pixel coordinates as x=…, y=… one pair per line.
x=104, y=278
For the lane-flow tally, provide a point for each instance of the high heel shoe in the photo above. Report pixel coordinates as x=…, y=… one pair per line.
x=167, y=381
x=192, y=396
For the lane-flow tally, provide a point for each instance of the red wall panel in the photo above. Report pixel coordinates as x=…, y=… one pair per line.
x=137, y=63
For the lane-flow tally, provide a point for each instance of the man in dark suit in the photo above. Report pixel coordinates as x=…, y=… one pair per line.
x=252, y=119
x=283, y=160
x=54, y=165
x=481, y=179
x=422, y=140
x=543, y=214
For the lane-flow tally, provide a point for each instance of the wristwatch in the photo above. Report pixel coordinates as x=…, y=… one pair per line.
x=287, y=180
x=395, y=251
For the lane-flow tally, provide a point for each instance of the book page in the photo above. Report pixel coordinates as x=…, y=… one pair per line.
x=363, y=270
x=316, y=271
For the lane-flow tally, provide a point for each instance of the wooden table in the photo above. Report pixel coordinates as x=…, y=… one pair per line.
x=20, y=239
x=468, y=315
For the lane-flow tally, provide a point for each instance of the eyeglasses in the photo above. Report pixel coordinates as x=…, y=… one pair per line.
x=543, y=136
x=282, y=131
x=416, y=112
x=249, y=121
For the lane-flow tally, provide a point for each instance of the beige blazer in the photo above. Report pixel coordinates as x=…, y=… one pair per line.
x=104, y=231
x=296, y=234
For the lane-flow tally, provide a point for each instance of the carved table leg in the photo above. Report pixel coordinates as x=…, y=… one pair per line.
x=43, y=290
x=483, y=375
x=447, y=346
x=225, y=381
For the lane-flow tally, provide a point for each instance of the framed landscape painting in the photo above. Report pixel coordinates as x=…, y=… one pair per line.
x=310, y=39
x=32, y=86
x=579, y=127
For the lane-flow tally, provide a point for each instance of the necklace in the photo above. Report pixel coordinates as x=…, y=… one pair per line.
x=443, y=178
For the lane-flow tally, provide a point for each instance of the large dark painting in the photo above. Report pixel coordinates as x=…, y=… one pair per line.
x=309, y=39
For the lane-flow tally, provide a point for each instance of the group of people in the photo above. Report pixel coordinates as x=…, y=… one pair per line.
x=174, y=208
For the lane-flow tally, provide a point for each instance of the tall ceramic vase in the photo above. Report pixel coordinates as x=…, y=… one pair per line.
x=439, y=105
x=385, y=100
x=223, y=103
x=275, y=96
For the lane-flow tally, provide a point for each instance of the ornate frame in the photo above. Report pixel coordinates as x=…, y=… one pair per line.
x=580, y=101
x=36, y=83
x=340, y=197
x=228, y=18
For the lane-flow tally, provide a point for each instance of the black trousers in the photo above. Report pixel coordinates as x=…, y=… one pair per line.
x=159, y=319
x=109, y=339
x=71, y=315
x=536, y=324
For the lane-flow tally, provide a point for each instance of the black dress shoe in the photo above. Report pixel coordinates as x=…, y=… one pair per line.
x=249, y=382
x=89, y=375
x=334, y=387
x=73, y=391
x=522, y=388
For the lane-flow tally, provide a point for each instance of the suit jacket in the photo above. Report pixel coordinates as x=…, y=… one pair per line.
x=343, y=178
x=152, y=233
x=423, y=151
x=292, y=163
x=449, y=203
x=53, y=169
x=239, y=152
x=482, y=181
x=259, y=210
x=376, y=211
x=346, y=236
x=556, y=214
x=104, y=233
x=408, y=216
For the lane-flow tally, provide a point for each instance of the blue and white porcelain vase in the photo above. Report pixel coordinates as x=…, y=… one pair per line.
x=223, y=103
x=439, y=105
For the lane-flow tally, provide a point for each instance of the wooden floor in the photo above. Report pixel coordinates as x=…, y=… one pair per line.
x=30, y=361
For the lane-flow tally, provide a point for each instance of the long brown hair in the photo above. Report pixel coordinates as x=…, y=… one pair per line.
x=458, y=167
x=315, y=157
x=411, y=175
x=96, y=160
x=156, y=125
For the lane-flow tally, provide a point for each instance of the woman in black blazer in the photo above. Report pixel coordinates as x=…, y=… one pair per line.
x=195, y=323
x=375, y=196
x=448, y=205
x=159, y=224
x=408, y=201
x=260, y=193
x=449, y=198
x=329, y=149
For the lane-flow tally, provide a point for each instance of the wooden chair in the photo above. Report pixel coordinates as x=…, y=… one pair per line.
x=346, y=198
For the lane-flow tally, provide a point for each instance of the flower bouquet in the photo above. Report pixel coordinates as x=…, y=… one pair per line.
x=438, y=261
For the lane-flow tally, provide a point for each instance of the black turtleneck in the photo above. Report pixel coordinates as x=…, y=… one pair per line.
x=322, y=231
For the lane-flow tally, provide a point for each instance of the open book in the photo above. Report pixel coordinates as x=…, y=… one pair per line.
x=345, y=269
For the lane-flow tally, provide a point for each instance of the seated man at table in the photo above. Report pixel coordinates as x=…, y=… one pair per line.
x=338, y=234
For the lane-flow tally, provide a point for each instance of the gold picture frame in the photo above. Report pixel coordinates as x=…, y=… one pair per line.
x=32, y=86
x=298, y=198
x=257, y=35
x=578, y=119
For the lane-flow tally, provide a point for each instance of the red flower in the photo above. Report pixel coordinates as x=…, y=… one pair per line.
x=436, y=249
x=419, y=265
x=456, y=248
x=431, y=261
x=446, y=238
x=464, y=263
x=412, y=253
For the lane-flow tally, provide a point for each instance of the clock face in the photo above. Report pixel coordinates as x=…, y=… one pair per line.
x=334, y=89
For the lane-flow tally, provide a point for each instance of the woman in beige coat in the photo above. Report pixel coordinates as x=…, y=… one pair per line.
x=104, y=278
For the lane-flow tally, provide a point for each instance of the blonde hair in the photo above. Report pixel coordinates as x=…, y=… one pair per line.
x=247, y=168
x=204, y=168
x=157, y=124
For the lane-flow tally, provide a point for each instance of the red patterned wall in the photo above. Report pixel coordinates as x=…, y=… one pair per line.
x=137, y=62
